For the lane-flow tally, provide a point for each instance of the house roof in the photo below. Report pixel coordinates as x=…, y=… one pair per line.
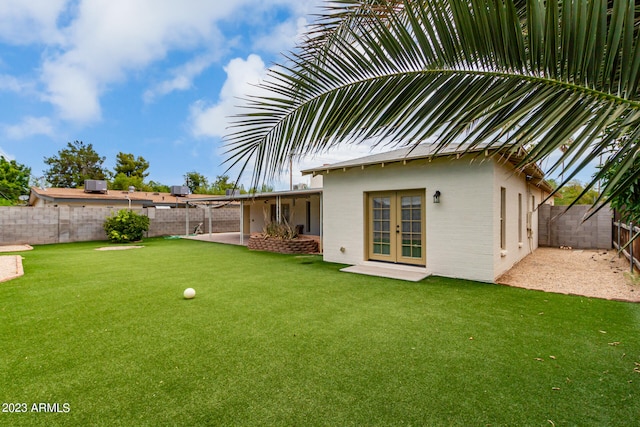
x=270, y=195
x=429, y=150
x=145, y=198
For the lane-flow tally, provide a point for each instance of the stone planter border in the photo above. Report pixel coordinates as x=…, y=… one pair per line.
x=299, y=245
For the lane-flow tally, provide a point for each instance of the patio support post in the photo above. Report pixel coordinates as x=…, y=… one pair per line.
x=242, y=222
x=278, y=211
x=321, y=223
x=209, y=208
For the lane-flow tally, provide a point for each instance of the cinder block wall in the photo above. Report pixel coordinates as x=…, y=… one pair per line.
x=78, y=224
x=559, y=226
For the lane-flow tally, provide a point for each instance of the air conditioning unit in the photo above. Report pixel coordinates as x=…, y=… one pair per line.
x=233, y=193
x=179, y=190
x=95, y=186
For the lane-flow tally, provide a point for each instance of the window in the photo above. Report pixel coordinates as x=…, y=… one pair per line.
x=503, y=218
x=308, y=224
x=520, y=217
x=284, y=213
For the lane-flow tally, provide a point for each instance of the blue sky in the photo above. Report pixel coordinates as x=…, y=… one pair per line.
x=155, y=78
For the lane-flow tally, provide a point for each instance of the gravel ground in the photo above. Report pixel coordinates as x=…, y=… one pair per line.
x=591, y=273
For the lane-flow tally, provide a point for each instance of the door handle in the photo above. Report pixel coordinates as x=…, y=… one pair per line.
x=397, y=228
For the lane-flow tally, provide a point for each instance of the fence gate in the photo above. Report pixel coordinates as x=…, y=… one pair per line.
x=622, y=233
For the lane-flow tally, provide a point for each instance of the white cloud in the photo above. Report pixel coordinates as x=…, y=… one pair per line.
x=242, y=76
x=283, y=37
x=29, y=126
x=91, y=45
x=32, y=21
x=12, y=84
x=182, y=77
x=107, y=39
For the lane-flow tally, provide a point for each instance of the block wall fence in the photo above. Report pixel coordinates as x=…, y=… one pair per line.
x=64, y=224
x=559, y=226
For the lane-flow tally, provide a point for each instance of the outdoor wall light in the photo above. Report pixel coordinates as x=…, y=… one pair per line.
x=436, y=196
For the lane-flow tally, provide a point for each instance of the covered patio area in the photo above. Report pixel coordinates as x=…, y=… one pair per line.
x=301, y=209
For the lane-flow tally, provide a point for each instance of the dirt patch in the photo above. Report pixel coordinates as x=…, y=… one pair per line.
x=591, y=273
x=118, y=248
x=15, y=248
x=10, y=267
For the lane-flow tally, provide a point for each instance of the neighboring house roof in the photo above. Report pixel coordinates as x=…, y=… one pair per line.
x=138, y=198
x=429, y=150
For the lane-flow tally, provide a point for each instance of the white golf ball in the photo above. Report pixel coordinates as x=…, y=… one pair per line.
x=189, y=293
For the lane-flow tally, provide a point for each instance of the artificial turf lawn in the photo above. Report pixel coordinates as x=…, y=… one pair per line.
x=284, y=340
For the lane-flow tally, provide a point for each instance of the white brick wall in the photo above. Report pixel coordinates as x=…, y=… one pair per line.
x=462, y=231
x=458, y=229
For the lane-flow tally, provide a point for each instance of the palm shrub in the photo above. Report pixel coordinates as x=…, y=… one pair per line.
x=126, y=226
x=282, y=230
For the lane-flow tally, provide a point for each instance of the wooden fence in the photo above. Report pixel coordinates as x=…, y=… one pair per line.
x=621, y=235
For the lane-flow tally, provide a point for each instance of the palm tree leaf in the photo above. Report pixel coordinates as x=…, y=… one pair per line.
x=532, y=72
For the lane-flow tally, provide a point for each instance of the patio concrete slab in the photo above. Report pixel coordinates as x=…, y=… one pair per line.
x=411, y=274
x=226, y=238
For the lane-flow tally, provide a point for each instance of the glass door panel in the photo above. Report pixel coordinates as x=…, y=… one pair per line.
x=381, y=217
x=410, y=248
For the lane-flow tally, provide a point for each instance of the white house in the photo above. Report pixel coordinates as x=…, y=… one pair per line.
x=470, y=216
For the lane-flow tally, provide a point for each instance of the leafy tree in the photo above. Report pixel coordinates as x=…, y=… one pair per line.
x=533, y=73
x=156, y=186
x=130, y=166
x=221, y=185
x=264, y=188
x=197, y=183
x=126, y=226
x=14, y=181
x=73, y=165
x=574, y=193
x=123, y=182
x=627, y=203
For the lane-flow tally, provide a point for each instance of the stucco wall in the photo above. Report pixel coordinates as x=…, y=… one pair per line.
x=75, y=224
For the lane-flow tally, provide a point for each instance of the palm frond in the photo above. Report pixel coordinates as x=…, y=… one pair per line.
x=537, y=71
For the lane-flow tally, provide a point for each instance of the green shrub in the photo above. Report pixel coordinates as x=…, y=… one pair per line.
x=126, y=226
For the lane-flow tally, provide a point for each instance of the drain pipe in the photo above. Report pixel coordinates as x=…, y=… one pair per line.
x=186, y=233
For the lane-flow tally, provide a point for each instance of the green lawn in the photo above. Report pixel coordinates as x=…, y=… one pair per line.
x=285, y=340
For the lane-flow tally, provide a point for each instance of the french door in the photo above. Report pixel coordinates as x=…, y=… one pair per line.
x=396, y=227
